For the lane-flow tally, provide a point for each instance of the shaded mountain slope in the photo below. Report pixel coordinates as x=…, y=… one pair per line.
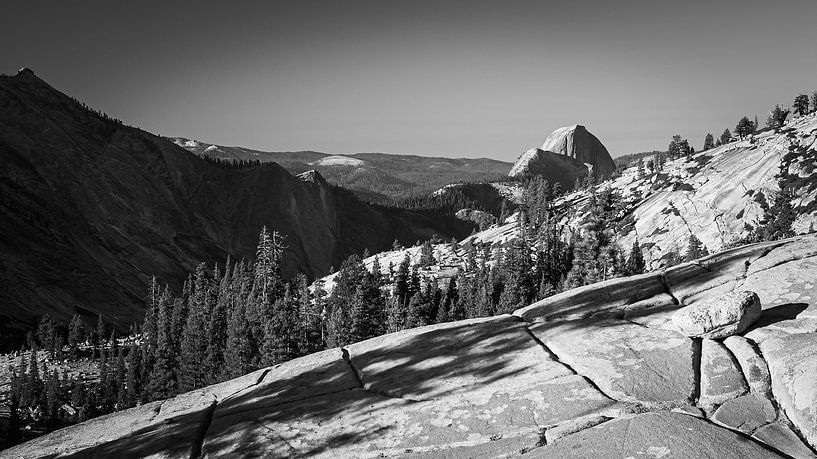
x=375, y=177
x=92, y=208
x=598, y=371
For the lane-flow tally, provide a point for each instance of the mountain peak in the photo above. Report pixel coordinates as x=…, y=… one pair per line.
x=574, y=142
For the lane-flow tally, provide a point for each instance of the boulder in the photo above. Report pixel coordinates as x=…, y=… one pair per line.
x=726, y=315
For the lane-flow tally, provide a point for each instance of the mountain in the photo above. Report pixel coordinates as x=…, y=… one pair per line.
x=92, y=208
x=599, y=371
x=568, y=152
x=374, y=177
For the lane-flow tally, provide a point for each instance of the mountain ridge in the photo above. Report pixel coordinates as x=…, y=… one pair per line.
x=93, y=208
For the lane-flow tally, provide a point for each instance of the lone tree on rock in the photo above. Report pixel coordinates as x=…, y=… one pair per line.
x=726, y=137
x=635, y=263
x=696, y=249
x=800, y=105
x=777, y=116
x=709, y=142
x=743, y=128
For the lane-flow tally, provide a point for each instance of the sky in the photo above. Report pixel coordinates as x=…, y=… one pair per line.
x=434, y=78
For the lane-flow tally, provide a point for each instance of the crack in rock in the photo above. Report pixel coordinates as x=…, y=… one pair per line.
x=781, y=412
x=198, y=440
x=555, y=357
x=368, y=387
x=667, y=289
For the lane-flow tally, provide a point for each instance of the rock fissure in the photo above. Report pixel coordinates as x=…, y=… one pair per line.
x=746, y=436
x=697, y=356
x=667, y=289
x=198, y=440
x=556, y=357
x=348, y=359
x=781, y=412
x=368, y=387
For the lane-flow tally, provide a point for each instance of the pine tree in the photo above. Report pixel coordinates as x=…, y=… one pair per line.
x=427, y=254
x=674, y=148
x=635, y=263
x=76, y=335
x=415, y=316
x=800, y=105
x=238, y=354
x=368, y=311
x=709, y=142
x=814, y=102
x=99, y=336
x=161, y=382
x=744, y=128
x=193, y=354
x=696, y=249
x=395, y=316
x=132, y=381
x=780, y=216
x=777, y=116
x=46, y=333
x=268, y=256
x=726, y=137
x=401, y=281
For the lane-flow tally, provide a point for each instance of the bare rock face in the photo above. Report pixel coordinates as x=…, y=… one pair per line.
x=570, y=151
x=726, y=315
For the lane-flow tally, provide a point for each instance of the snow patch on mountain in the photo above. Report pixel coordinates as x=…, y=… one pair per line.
x=338, y=160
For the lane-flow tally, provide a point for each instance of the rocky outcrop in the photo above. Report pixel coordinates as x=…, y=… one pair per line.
x=726, y=315
x=567, y=153
x=553, y=380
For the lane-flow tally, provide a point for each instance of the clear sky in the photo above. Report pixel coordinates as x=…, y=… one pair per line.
x=461, y=79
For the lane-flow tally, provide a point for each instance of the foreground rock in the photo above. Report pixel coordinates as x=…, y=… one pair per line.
x=626, y=361
x=793, y=365
x=726, y=315
x=721, y=378
x=659, y=435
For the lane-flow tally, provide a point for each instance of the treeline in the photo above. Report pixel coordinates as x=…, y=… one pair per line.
x=228, y=163
x=448, y=202
x=746, y=128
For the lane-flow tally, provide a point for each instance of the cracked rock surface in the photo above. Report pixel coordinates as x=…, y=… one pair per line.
x=593, y=372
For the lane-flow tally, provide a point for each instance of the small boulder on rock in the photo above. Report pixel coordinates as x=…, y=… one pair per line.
x=726, y=315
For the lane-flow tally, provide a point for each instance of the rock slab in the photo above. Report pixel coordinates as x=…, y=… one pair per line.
x=721, y=379
x=663, y=435
x=628, y=362
x=793, y=365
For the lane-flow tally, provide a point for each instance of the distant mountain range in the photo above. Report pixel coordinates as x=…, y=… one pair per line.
x=375, y=177
x=91, y=209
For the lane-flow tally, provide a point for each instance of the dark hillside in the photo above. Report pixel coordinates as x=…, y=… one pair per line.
x=92, y=208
